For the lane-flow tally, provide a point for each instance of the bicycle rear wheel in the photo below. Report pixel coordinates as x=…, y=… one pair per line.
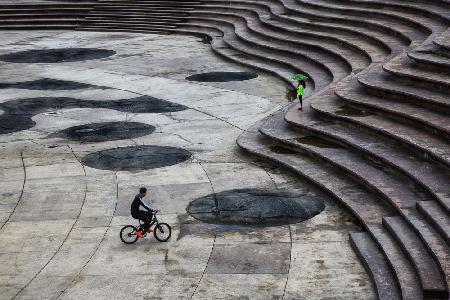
x=162, y=232
x=128, y=234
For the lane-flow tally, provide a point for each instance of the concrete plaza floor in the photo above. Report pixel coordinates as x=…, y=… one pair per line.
x=60, y=219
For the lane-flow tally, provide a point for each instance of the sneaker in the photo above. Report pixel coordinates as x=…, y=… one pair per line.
x=149, y=230
x=139, y=234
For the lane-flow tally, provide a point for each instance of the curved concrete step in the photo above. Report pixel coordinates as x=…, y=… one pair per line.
x=415, y=22
x=376, y=265
x=432, y=240
x=431, y=278
x=431, y=10
x=273, y=16
x=403, y=67
x=405, y=273
x=387, y=43
x=337, y=66
x=436, y=122
x=367, y=207
x=396, y=188
x=419, y=140
x=443, y=40
x=431, y=56
x=231, y=39
x=437, y=217
x=382, y=84
x=218, y=45
x=324, y=73
x=431, y=176
x=401, y=28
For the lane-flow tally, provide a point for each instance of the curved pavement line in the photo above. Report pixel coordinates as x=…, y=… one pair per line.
x=108, y=227
x=21, y=193
x=68, y=234
x=290, y=261
x=204, y=270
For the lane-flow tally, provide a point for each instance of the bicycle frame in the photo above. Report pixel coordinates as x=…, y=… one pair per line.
x=153, y=222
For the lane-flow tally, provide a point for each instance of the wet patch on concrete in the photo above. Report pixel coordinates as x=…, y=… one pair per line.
x=46, y=84
x=107, y=131
x=270, y=258
x=135, y=158
x=255, y=207
x=56, y=55
x=317, y=142
x=350, y=111
x=222, y=76
x=18, y=113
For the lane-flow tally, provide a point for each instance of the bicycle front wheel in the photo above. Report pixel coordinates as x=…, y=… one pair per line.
x=162, y=232
x=128, y=234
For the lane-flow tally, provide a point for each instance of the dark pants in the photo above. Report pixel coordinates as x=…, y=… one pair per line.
x=300, y=98
x=144, y=216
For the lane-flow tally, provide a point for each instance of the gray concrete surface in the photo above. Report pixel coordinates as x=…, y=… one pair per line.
x=60, y=220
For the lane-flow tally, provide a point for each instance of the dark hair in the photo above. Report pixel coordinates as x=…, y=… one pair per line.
x=303, y=83
x=142, y=190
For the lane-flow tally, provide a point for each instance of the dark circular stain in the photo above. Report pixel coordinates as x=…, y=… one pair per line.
x=17, y=114
x=136, y=158
x=56, y=55
x=255, y=207
x=107, y=131
x=222, y=76
x=46, y=84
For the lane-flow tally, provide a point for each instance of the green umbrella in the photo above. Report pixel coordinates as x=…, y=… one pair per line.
x=298, y=77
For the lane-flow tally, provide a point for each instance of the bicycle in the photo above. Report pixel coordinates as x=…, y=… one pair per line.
x=162, y=231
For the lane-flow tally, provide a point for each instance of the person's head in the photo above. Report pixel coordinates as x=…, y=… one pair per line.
x=302, y=82
x=142, y=192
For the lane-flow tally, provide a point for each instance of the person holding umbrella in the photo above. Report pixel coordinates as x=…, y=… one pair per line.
x=300, y=88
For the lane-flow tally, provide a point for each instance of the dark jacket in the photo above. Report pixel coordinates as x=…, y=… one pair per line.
x=136, y=204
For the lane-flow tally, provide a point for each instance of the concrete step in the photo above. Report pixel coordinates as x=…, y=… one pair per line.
x=431, y=278
x=366, y=206
x=396, y=27
x=249, y=29
x=398, y=190
x=236, y=56
x=311, y=63
x=412, y=23
x=404, y=67
x=236, y=42
x=32, y=26
x=430, y=176
x=402, y=25
x=436, y=122
x=382, y=84
x=404, y=272
x=431, y=10
x=443, y=41
x=436, y=216
x=419, y=140
x=312, y=35
x=366, y=40
x=432, y=240
x=376, y=265
x=131, y=26
x=431, y=56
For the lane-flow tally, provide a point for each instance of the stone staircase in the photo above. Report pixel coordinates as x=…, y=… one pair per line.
x=375, y=131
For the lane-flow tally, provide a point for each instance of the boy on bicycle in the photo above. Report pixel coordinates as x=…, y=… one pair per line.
x=146, y=215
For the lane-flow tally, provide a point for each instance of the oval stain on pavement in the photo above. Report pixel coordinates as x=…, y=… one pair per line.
x=222, y=76
x=256, y=207
x=106, y=131
x=56, y=55
x=17, y=114
x=136, y=158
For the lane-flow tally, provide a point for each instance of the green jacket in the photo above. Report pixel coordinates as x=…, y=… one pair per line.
x=300, y=90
